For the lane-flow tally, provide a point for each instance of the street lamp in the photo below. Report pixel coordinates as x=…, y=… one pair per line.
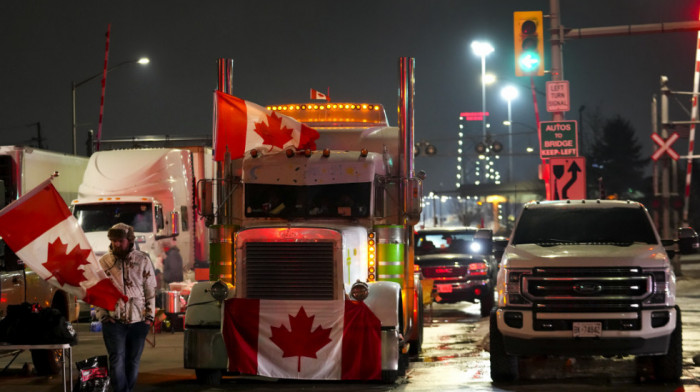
x=142, y=61
x=509, y=93
x=482, y=49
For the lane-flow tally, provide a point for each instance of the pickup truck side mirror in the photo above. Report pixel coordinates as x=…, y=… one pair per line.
x=688, y=241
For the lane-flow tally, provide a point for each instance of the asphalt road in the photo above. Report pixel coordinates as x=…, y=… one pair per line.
x=455, y=357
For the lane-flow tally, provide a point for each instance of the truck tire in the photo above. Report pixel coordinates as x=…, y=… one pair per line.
x=669, y=367
x=487, y=302
x=208, y=376
x=47, y=362
x=416, y=345
x=504, y=367
x=389, y=376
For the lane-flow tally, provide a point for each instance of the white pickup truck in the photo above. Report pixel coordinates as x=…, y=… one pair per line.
x=587, y=277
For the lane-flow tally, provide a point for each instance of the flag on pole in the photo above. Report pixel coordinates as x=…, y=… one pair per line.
x=240, y=126
x=40, y=229
x=315, y=94
x=321, y=340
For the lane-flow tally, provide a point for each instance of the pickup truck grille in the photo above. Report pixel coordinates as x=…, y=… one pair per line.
x=587, y=290
x=289, y=270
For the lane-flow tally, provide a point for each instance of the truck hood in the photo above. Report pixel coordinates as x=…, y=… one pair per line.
x=585, y=255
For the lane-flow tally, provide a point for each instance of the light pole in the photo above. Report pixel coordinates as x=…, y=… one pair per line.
x=509, y=93
x=482, y=49
x=75, y=85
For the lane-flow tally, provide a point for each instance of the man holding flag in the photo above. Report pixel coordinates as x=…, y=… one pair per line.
x=125, y=328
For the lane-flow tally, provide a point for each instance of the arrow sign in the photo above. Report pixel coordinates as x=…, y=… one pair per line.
x=665, y=146
x=574, y=170
x=568, y=178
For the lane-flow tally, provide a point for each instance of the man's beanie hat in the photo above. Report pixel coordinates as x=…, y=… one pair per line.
x=121, y=231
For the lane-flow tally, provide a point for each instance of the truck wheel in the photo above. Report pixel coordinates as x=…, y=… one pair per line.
x=416, y=345
x=669, y=367
x=208, y=376
x=47, y=362
x=487, y=302
x=504, y=367
x=389, y=376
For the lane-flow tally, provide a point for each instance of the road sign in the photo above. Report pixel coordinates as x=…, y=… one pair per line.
x=665, y=146
x=558, y=139
x=567, y=178
x=557, y=96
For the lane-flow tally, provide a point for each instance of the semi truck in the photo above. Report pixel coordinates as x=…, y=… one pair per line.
x=151, y=189
x=311, y=270
x=21, y=169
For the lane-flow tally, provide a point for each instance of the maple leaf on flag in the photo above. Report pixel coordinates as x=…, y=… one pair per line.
x=64, y=266
x=300, y=341
x=273, y=133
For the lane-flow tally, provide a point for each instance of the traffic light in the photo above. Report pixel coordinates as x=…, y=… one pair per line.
x=528, y=43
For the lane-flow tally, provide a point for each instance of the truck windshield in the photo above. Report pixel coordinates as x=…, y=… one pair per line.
x=552, y=226
x=100, y=217
x=308, y=201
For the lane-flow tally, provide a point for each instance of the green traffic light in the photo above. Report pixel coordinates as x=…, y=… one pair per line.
x=529, y=61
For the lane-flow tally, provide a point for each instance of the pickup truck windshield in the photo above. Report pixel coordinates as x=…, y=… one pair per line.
x=310, y=201
x=551, y=226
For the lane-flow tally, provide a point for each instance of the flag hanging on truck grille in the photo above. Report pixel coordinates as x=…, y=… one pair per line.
x=319, y=340
x=41, y=231
x=240, y=126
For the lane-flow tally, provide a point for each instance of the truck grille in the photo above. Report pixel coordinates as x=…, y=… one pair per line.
x=289, y=270
x=587, y=290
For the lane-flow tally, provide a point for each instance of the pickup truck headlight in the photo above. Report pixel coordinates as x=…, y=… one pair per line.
x=513, y=293
x=660, y=286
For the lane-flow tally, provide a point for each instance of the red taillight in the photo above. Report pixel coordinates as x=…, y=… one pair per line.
x=478, y=269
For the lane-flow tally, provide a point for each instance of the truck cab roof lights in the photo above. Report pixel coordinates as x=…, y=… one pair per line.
x=364, y=152
x=289, y=152
x=254, y=153
x=326, y=152
x=307, y=153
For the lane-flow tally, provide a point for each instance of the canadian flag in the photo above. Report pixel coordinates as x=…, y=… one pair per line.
x=315, y=94
x=320, y=340
x=43, y=233
x=240, y=126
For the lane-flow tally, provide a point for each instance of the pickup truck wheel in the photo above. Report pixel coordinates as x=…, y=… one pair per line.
x=669, y=367
x=487, y=302
x=504, y=367
x=208, y=376
x=47, y=362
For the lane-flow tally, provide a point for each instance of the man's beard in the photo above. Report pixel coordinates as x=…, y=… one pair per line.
x=121, y=253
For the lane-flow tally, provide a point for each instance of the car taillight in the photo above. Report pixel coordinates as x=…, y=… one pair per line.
x=478, y=269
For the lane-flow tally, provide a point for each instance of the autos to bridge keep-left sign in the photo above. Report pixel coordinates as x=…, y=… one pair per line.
x=558, y=139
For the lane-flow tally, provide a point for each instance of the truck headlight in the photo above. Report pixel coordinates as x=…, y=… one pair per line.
x=359, y=291
x=219, y=290
x=513, y=289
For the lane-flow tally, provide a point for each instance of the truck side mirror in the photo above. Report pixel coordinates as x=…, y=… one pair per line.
x=413, y=193
x=205, y=189
x=688, y=241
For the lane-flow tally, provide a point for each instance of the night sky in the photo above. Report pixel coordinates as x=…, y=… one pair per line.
x=283, y=48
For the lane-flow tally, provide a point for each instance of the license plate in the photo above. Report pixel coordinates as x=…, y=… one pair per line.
x=444, y=288
x=591, y=329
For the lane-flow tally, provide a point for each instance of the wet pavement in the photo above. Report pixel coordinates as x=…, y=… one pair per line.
x=455, y=357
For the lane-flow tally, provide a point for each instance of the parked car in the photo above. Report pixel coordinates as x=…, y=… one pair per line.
x=459, y=263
